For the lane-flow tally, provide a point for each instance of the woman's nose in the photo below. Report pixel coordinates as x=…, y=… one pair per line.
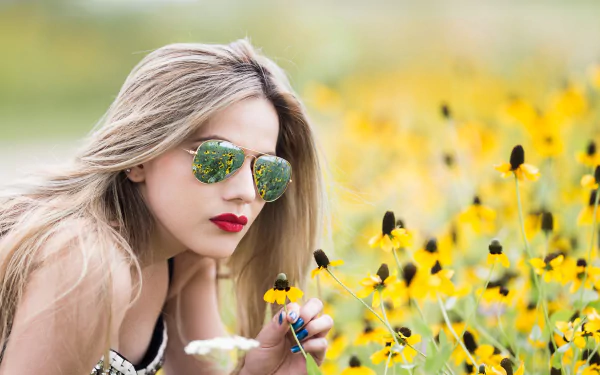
x=241, y=184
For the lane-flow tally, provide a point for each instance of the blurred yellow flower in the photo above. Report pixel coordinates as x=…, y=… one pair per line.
x=428, y=284
x=382, y=285
x=323, y=262
x=590, y=157
x=586, y=215
x=390, y=236
x=550, y=268
x=480, y=217
x=495, y=254
x=518, y=167
x=356, y=368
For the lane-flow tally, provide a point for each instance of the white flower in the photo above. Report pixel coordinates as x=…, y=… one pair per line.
x=203, y=347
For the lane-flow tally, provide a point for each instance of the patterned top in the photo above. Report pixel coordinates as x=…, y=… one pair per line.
x=154, y=358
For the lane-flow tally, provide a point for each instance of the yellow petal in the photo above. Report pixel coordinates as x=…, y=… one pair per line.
x=589, y=182
x=537, y=263
x=294, y=294
x=555, y=263
x=314, y=272
x=504, y=167
x=374, y=241
x=386, y=243
x=336, y=263
x=280, y=296
x=531, y=172
x=504, y=260
x=376, y=299
x=364, y=293
x=270, y=296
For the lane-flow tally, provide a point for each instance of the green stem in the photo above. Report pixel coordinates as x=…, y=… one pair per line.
x=527, y=251
x=587, y=361
x=394, y=333
x=400, y=271
x=294, y=333
x=387, y=363
x=360, y=300
x=447, y=320
x=589, y=255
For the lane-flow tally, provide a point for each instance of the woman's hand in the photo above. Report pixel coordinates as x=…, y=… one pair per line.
x=274, y=356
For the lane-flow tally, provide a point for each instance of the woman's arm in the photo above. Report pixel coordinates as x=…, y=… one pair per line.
x=65, y=336
x=194, y=288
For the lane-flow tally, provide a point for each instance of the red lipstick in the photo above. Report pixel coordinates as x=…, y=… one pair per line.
x=230, y=222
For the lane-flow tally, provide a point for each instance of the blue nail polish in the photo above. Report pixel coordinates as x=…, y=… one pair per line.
x=302, y=334
x=280, y=318
x=299, y=323
x=293, y=315
x=295, y=349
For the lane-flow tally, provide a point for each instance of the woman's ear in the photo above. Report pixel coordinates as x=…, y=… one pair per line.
x=136, y=174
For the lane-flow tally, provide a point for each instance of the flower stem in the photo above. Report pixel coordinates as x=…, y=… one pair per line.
x=447, y=320
x=589, y=255
x=355, y=296
x=387, y=363
x=400, y=271
x=487, y=282
x=528, y=253
x=294, y=333
x=393, y=332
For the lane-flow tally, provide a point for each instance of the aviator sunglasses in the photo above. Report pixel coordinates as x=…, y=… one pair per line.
x=216, y=160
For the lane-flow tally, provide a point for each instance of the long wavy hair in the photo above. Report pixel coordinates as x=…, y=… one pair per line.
x=171, y=93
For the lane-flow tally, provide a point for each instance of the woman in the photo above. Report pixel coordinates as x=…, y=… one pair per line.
x=192, y=163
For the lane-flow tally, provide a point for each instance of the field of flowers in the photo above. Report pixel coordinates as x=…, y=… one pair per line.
x=465, y=218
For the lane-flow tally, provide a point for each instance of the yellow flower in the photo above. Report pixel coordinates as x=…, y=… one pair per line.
x=369, y=334
x=382, y=285
x=575, y=271
x=281, y=290
x=495, y=254
x=406, y=339
x=506, y=368
x=480, y=217
x=548, y=143
x=356, y=368
x=339, y=342
x=428, y=284
x=391, y=237
x=590, y=156
x=550, y=268
x=323, y=262
x=432, y=252
x=593, y=369
x=497, y=294
x=586, y=215
x=518, y=167
x=590, y=181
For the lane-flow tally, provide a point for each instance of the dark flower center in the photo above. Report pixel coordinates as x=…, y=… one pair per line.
x=383, y=272
x=549, y=258
x=389, y=223
x=503, y=291
x=547, y=221
x=507, y=365
x=517, y=157
x=282, y=285
x=408, y=273
x=470, y=342
x=482, y=369
x=321, y=258
x=406, y=332
x=591, y=148
x=476, y=201
x=431, y=245
x=495, y=247
x=436, y=268
x=354, y=361
x=581, y=262
x=592, y=200
x=445, y=110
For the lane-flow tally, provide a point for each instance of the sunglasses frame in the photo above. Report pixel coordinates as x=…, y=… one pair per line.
x=195, y=152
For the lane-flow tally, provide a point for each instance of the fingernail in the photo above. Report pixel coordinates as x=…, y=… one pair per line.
x=295, y=349
x=302, y=334
x=299, y=323
x=293, y=315
x=280, y=318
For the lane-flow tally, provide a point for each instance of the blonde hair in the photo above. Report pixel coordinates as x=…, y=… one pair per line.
x=172, y=92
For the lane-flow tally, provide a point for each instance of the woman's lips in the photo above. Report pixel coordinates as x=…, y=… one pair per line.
x=228, y=226
x=230, y=222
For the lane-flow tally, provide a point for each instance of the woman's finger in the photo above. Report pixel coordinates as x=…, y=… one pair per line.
x=317, y=347
x=318, y=326
x=308, y=312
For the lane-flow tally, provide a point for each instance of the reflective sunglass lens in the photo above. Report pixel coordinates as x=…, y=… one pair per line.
x=216, y=160
x=272, y=175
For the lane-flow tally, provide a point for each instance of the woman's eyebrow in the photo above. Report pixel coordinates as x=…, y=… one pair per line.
x=214, y=136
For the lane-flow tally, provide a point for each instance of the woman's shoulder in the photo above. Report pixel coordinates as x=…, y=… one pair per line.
x=72, y=299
